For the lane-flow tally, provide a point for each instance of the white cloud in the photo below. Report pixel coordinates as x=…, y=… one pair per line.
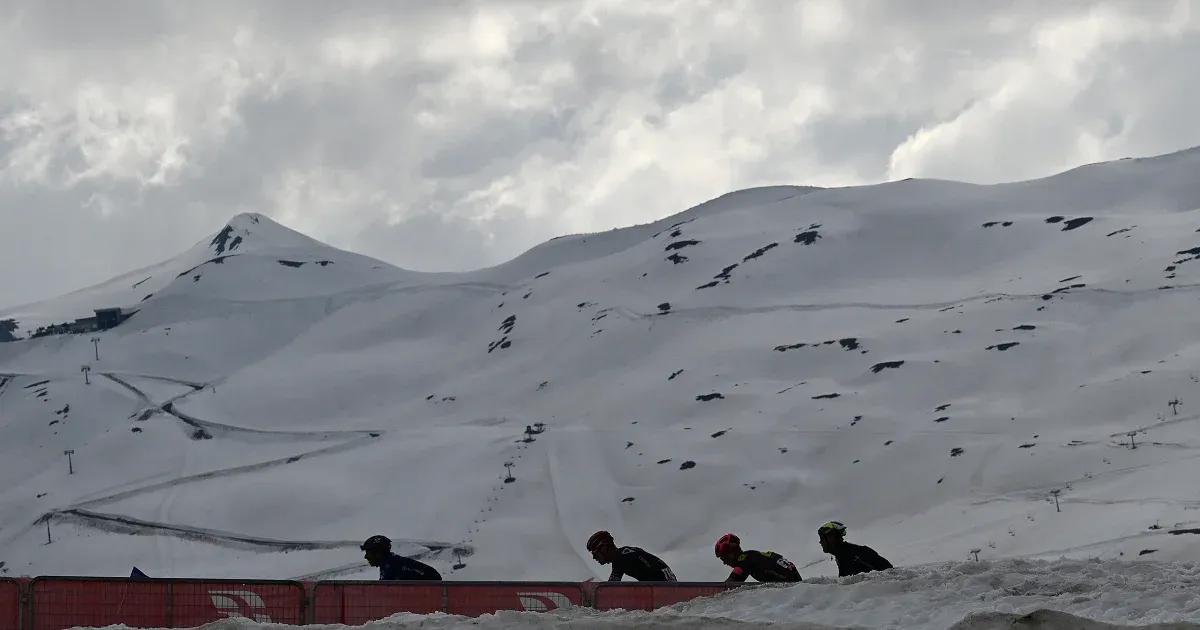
x=456, y=134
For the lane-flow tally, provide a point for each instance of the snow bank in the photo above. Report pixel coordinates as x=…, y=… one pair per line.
x=977, y=595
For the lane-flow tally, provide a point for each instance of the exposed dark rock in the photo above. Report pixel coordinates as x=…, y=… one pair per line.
x=541, y=275
x=724, y=275
x=681, y=244
x=848, y=344
x=720, y=433
x=674, y=374
x=942, y=407
x=1004, y=346
x=290, y=263
x=955, y=452
x=878, y=367
x=712, y=396
x=686, y=465
x=833, y=395
x=760, y=251
x=677, y=258
x=221, y=239
x=807, y=238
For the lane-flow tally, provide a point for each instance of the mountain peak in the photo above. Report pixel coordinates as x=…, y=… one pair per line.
x=256, y=231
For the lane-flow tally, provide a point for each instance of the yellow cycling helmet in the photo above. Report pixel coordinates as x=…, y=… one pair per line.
x=831, y=527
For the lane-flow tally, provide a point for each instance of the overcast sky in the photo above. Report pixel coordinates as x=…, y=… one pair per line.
x=454, y=134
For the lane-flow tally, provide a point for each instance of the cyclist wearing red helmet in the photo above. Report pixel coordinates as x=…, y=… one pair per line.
x=635, y=562
x=764, y=566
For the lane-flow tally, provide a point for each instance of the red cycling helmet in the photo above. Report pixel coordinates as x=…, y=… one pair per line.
x=599, y=538
x=727, y=543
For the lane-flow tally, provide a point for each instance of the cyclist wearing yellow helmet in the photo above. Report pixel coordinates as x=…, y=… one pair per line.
x=851, y=559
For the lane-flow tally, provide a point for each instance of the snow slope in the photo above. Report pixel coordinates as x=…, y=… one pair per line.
x=932, y=363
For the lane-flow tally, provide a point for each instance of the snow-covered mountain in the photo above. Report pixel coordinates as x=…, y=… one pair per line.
x=935, y=364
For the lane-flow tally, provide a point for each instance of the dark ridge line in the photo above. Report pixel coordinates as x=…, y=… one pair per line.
x=116, y=523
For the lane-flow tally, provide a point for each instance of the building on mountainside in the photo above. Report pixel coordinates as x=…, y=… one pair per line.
x=104, y=319
x=112, y=317
x=7, y=328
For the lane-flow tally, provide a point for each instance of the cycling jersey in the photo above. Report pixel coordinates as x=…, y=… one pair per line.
x=764, y=566
x=640, y=565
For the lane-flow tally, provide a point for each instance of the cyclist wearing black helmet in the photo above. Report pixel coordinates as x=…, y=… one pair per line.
x=635, y=562
x=851, y=559
x=378, y=552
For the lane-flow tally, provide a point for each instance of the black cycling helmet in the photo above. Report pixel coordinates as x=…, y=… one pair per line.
x=378, y=542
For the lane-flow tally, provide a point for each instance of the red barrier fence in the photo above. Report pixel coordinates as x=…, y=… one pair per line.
x=10, y=604
x=57, y=603
x=649, y=596
x=472, y=599
x=355, y=603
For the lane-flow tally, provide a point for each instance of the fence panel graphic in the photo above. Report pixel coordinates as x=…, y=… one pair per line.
x=10, y=604
x=197, y=602
x=59, y=603
x=481, y=598
x=650, y=596
x=356, y=603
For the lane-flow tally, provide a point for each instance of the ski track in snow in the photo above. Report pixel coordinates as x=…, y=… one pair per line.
x=115, y=523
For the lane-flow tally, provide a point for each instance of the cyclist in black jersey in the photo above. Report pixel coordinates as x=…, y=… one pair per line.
x=635, y=562
x=764, y=566
x=851, y=559
x=392, y=566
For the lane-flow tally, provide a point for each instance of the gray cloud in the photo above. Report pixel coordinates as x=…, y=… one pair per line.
x=456, y=134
